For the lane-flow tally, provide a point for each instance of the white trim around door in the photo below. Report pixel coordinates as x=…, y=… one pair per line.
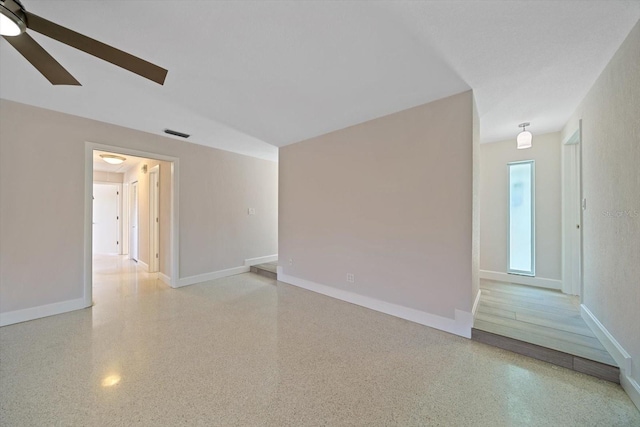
x=572, y=227
x=134, y=222
x=88, y=208
x=154, y=219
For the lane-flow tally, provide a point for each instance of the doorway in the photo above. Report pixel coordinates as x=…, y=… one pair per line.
x=146, y=221
x=523, y=313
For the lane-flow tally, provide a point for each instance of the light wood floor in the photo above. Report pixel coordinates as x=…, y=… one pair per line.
x=538, y=316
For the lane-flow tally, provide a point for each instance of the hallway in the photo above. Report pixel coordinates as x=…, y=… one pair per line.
x=247, y=350
x=117, y=277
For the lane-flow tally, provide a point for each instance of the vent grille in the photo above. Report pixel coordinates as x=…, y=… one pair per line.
x=176, y=133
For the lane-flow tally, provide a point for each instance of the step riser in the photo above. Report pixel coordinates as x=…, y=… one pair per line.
x=569, y=361
x=265, y=273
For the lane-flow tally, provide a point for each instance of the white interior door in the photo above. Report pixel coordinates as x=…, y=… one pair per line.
x=133, y=221
x=154, y=219
x=105, y=219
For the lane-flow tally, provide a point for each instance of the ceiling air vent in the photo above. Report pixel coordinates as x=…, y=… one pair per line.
x=176, y=133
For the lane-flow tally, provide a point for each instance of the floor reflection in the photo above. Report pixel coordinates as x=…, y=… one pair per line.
x=247, y=350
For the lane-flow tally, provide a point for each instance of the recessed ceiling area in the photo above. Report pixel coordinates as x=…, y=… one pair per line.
x=252, y=76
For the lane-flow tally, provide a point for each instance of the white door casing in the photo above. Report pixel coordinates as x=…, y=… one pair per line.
x=154, y=219
x=133, y=221
x=125, y=209
x=571, y=215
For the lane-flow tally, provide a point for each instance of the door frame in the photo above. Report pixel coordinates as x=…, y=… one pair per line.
x=134, y=207
x=570, y=283
x=125, y=215
x=154, y=219
x=174, y=223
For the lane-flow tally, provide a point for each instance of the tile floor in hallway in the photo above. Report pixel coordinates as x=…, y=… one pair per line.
x=539, y=316
x=249, y=351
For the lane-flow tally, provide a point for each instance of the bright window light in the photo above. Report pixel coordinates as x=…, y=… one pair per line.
x=521, y=243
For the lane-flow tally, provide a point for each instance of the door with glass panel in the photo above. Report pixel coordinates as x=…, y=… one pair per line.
x=521, y=240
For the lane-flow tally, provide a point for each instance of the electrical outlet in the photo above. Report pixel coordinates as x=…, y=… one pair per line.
x=252, y=211
x=351, y=278
x=290, y=261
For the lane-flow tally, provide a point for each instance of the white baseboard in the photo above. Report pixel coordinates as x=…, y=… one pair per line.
x=540, y=282
x=614, y=348
x=199, y=278
x=143, y=265
x=17, y=316
x=461, y=325
x=260, y=260
x=619, y=354
x=632, y=388
x=166, y=279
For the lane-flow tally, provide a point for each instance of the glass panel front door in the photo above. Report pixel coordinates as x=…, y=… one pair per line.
x=521, y=250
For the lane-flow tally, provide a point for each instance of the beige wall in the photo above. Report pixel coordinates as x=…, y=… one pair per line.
x=41, y=262
x=610, y=116
x=390, y=201
x=103, y=176
x=136, y=174
x=494, y=203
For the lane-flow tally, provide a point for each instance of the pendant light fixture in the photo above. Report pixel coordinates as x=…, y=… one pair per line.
x=524, y=138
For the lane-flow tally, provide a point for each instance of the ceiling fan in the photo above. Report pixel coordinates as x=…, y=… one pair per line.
x=14, y=22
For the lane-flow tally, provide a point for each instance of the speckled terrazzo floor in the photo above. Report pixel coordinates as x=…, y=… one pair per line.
x=250, y=351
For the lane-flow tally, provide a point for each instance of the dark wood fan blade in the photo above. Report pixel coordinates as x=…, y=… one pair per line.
x=96, y=48
x=40, y=58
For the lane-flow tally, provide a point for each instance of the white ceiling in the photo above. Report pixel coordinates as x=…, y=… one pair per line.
x=250, y=76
